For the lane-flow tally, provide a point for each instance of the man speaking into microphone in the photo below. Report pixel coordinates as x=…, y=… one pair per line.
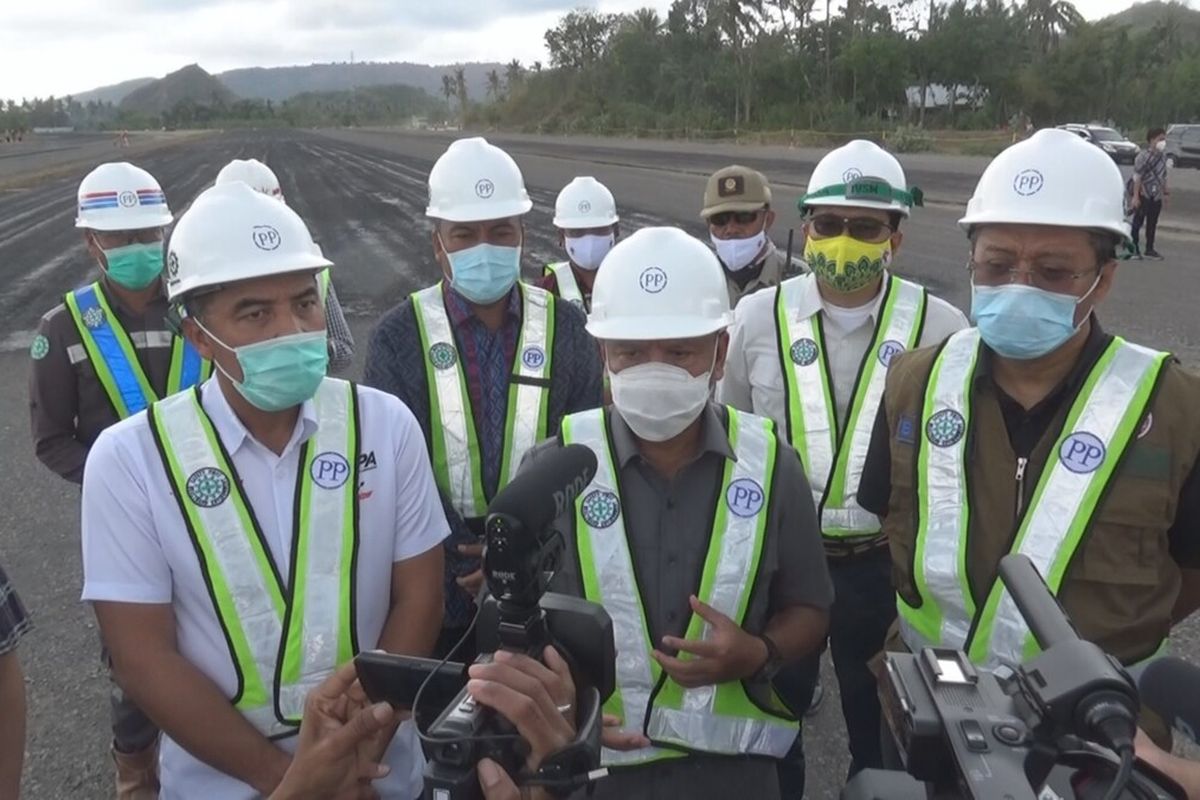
x=698, y=535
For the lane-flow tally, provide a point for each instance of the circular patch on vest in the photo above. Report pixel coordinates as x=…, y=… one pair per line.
x=804, y=352
x=745, y=497
x=94, y=317
x=40, y=348
x=889, y=350
x=330, y=470
x=1082, y=452
x=443, y=355
x=600, y=508
x=533, y=357
x=1146, y=425
x=945, y=428
x=208, y=487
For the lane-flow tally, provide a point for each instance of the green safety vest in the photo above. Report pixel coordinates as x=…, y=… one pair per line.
x=285, y=633
x=457, y=459
x=1100, y=425
x=834, y=457
x=568, y=286
x=115, y=360
x=711, y=719
x=323, y=281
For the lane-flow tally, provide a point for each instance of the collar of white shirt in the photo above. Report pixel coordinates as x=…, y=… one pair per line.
x=811, y=301
x=233, y=432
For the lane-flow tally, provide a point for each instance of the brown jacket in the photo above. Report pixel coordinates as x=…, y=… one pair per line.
x=1122, y=583
x=68, y=407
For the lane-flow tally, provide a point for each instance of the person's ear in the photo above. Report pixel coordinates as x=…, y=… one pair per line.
x=93, y=248
x=719, y=363
x=769, y=220
x=897, y=240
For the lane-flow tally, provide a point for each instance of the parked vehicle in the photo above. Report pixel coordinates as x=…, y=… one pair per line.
x=1183, y=146
x=1120, y=149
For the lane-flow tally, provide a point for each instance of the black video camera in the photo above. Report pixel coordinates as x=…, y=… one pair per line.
x=1056, y=728
x=520, y=556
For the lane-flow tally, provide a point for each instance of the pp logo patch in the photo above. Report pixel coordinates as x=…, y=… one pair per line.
x=40, y=348
x=93, y=317
x=1146, y=425
x=1082, y=452
x=443, y=355
x=173, y=265
x=208, y=487
x=745, y=497
x=653, y=280
x=945, y=428
x=804, y=352
x=584, y=206
x=485, y=189
x=266, y=237
x=533, y=357
x=1028, y=182
x=889, y=350
x=127, y=199
x=330, y=470
x=851, y=175
x=600, y=508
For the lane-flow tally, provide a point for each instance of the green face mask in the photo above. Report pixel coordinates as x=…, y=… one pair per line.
x=844, y=263
x=279, y=373
x=135, y=266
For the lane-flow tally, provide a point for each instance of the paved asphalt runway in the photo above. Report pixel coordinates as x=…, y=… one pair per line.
x=363, y=195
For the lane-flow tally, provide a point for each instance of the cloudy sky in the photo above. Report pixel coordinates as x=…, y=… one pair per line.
x=63, y=46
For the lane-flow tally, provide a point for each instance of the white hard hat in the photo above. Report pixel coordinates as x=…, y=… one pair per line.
x=660, y=283
x=1051, y=178
x=233, y=233
x=475, y=181
x=585, y=203
x=121, y=197
x=860, y=174
x=257, y=175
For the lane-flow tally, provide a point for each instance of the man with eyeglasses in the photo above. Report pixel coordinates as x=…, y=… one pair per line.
x=1037, y=432
x=737, y=208
x=813, y=355
x=102, y=355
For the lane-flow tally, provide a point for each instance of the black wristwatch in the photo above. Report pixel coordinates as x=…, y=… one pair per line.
x=772, y=665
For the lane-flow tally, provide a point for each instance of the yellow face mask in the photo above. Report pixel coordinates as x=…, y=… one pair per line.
x=844, y=263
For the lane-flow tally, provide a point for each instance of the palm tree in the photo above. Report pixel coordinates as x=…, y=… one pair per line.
x=493, y=85
x=739, y=21
x=514, y=74
x=447, y=87
x=460, y=88
x=646, y=20
x=1049, y=20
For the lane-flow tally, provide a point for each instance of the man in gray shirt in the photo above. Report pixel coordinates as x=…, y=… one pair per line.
x=698, y=535
x=1149, y=189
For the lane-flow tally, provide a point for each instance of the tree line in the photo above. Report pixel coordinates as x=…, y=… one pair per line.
x=780, y=64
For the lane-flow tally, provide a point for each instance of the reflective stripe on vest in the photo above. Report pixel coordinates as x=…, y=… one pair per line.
x=1099, y=426
x=283, y=642
x=833, y=458
x=323, y=281
x=114, y=358
x=457, y=460
x=568, y=286
x=711, y=719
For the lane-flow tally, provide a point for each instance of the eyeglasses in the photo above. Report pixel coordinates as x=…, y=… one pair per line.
x=112, y=239
x=864, y=229
x=1051, y=278
x=723, y=218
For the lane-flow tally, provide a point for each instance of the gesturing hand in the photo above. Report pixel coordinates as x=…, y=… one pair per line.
x=727, y=654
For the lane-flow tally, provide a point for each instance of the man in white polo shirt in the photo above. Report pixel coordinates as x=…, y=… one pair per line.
x=242, y=540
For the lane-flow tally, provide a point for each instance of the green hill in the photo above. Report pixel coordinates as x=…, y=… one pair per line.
x=1145, y=17
x=190, y=85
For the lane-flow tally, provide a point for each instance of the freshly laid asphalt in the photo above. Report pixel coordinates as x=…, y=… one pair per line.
x=363, y=195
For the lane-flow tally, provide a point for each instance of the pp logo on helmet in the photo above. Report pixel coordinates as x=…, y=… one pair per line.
x=127, y=199
x=266, y=237
x=851, y=175
x=584, y=207
x=653, y=280
x=485, y=189
x=1028, y=182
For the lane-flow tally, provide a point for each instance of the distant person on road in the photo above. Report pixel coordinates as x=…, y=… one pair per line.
x=737, y=208
x=813, y=356
x=262, y=178
x=243, y=540
x=1150, y=191
x=488, y=365
x=14, y=623
x=585, y=215
x=103, y=355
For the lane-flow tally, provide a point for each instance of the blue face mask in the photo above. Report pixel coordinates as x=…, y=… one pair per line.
x=484, y=273
x=279, y=373
x=1024, y=322
x=134, y=266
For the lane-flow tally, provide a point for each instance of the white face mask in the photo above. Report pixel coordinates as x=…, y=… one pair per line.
x=588, y=251
x=658, y=401
x=737, y=254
